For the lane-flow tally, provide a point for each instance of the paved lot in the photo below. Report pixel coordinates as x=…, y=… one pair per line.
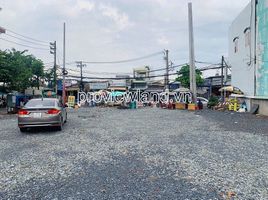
x=106, y=153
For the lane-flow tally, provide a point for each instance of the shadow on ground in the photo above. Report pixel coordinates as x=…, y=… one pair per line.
x=42, y=130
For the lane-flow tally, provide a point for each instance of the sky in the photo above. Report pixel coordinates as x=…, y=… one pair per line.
x=111, y=30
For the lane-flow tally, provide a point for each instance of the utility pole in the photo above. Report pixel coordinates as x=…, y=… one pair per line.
x=81, y=65
x=167, y=66
x=222, y=77
x=63, y=70
x=191, y=53
x=225, y=77
x=53, y=50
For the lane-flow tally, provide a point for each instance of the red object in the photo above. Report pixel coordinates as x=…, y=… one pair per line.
x=53, y=111
x=23, y=112
x=49, y=93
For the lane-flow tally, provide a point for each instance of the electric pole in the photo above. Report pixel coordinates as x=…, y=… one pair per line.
x=63, y=70
x=191, y=53
x=53, y=50
x=81, y=65
x=167, y=66
x=222, y=77
x=225, y=77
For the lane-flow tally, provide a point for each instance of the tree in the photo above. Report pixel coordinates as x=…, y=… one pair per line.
x=5, y=76
x=184, y=76
x=49, y=77
x=19, y=71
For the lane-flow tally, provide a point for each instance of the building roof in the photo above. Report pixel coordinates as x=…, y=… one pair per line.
x=141, y=69
x=117, y=88
x=139, y=81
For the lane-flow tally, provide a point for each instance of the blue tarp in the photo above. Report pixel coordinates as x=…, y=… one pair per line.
x=117, y=93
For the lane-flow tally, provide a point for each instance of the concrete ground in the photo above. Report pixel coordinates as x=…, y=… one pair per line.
x=151, y=153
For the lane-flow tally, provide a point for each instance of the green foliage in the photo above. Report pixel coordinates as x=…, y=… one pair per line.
x=213, y=101
x=184, y=76
x=49, y=77
x=19, y=71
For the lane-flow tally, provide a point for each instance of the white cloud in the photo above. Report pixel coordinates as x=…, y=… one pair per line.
x=122, y=29
x=162, y=40
x=121, y=19
x=80, y=6
x=85, y=5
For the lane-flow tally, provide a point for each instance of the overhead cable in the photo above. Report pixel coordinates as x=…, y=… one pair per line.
x=24, y=44
x=35, y=43
x=124, y=61
x=27, y=37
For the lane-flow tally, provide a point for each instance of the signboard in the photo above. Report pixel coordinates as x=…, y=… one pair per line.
x=59, y=85
x=118, y=83
x=98, y=86
x=71, y=101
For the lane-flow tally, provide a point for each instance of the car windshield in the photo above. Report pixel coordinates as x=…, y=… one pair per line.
x=37, y=103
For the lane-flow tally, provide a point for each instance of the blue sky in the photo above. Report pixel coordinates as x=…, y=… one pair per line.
x=108, y=30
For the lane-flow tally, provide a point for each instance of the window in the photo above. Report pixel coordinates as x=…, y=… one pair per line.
x=39, y=103
x=247, y=36
x=235, y=41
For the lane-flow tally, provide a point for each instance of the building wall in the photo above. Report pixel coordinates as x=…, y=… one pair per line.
x=262, y=49
x=250, y=77
x=263, y=105
x=241, y=50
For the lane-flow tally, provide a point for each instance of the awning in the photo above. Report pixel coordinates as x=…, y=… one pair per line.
x=232, y=89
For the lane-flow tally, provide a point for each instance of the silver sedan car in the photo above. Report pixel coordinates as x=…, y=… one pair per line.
x=42, y=112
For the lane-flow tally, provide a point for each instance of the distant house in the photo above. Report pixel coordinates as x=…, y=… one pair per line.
x=120, y=84
x=213, y=84
x=174, y=85
x=140, y=78
x=96, y=85
x=248, y=54
x=155, y=86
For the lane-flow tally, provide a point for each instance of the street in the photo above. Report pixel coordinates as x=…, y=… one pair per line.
x=149, y=153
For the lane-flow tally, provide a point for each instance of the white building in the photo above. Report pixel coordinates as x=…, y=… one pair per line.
x=140, y=81
x=248, y=54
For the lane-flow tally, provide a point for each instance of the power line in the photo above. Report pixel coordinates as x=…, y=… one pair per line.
x=119, y=61
x=153, y=76
x=124, y=61
x=23, y=44
x=101, y=73
x=35, y=43
x=27, y=37
x=164, y=68
x=118, y=78
x=125, y=73
x=202, y=62
x=209, y=67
